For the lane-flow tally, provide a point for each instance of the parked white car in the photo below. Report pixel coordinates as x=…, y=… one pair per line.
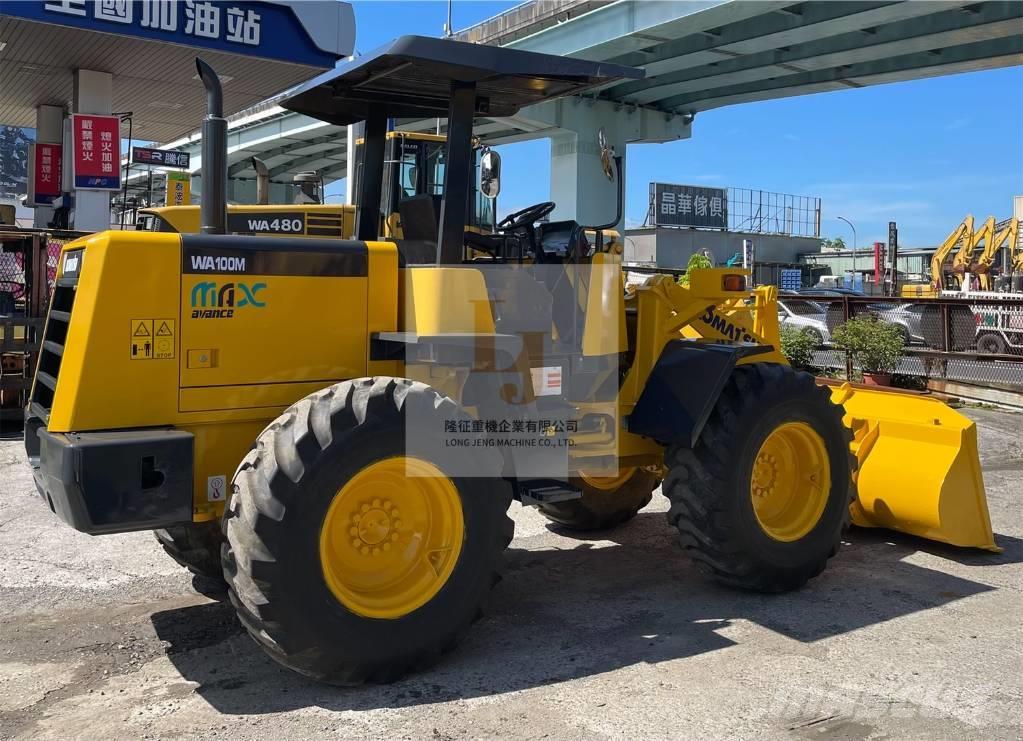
x=805, y=315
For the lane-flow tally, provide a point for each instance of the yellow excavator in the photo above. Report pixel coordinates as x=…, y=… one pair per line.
x=991, y=234
x=337, y=427
x=961, y=233
x=964, y=257
x=1017, y=254
x=1005, y=233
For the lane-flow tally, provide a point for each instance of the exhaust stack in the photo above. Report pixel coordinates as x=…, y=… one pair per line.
x=262, y=181
x=213, y=206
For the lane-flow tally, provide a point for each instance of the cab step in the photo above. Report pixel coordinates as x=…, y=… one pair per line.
x=534, y=492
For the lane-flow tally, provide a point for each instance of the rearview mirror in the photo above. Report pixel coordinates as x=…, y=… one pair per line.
x=490, y=174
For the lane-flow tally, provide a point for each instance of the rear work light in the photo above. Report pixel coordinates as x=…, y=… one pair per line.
x=734, y=283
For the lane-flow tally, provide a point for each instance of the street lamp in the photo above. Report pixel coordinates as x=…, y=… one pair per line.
x=842, y=218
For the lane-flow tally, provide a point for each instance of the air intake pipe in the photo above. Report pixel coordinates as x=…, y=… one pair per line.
x=213, y=208
x=262, y=181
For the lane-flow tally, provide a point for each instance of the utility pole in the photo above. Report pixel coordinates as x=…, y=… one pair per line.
x=842, y=218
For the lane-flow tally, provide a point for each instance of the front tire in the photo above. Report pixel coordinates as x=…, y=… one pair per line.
x=762, y=499
x=308, y=526
x=606, y=501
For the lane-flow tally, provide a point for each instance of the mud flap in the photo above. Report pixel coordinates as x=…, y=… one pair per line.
x=919, y=467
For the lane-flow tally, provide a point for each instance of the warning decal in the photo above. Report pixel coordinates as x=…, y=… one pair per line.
x=163, y=339
x=216, y=488
x=152, y=339
x=546, y=381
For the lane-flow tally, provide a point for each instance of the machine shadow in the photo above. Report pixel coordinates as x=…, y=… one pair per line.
x=580, y=611
x=1012, y=547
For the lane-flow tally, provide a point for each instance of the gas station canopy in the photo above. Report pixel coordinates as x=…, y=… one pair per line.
x=149, y=48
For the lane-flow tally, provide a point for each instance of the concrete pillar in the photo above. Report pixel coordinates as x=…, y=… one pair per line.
x=244, y=191
x=578, y=184
x=49, y=130
x=93, y=93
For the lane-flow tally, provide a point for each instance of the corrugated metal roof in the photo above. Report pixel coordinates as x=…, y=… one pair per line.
x=153, y=80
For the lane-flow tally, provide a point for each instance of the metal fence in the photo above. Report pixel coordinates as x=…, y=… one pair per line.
x=968, y=340
x=28, y=267
x=764, y=212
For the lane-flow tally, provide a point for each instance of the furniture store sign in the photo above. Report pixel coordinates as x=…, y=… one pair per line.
x=315, y=34
x=688, y=205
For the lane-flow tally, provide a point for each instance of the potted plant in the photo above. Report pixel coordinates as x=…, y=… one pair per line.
x=798, y=346
x=697, y=261
x=876, y=346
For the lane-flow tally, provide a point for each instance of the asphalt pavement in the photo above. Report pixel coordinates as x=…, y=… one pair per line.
x=609, y=636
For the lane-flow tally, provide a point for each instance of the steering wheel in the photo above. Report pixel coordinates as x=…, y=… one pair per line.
x=527, y=216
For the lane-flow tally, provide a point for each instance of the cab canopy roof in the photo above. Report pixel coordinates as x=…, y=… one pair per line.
x=412, y=77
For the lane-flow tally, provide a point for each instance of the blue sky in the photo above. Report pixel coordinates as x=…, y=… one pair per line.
x=922, y=153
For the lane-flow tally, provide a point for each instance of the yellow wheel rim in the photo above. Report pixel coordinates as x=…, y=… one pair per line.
x=608, y=483
x=391, y=537
x=791, y=481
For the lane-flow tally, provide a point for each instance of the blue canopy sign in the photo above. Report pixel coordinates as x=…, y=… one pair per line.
x=311, y=33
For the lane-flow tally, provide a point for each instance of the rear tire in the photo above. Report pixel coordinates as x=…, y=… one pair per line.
x=196, y=546
x=602, y=508
x=711, y=486
x=283, y=499
x=990, y=343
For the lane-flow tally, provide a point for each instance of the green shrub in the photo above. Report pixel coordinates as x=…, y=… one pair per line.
x=798, y=347
x=913, y=383
x=697, y=261
x=875, y=345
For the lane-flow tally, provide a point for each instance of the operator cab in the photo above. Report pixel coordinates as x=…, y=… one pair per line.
x=418, y=78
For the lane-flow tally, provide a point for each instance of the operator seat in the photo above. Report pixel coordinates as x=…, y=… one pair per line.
x=562, y=241
x=420, y=217
x=420, y=222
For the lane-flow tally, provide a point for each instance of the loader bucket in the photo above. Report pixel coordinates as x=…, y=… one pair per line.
x=919, y=467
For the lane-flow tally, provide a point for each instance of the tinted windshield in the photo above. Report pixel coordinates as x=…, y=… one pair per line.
x=416, y=167
x=434, y=168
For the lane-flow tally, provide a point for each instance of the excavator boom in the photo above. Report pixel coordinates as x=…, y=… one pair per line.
x=964, y=257
x=941, y=254
x=1008, y=233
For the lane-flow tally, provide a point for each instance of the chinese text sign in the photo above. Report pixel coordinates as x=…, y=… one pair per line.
x=689, y=205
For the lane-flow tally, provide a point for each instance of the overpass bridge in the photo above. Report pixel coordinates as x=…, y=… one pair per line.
x=698, y=55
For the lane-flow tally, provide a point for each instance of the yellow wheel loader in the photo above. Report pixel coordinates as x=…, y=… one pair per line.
x=351, y=419
x=413, y=166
